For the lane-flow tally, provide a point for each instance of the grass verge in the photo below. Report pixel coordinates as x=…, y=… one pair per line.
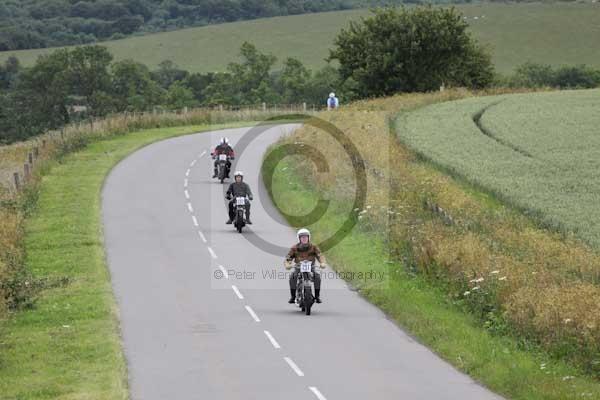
x=67, y=344
x=507, y=366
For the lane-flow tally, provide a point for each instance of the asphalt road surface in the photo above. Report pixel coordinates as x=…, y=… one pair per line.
x=203, y=316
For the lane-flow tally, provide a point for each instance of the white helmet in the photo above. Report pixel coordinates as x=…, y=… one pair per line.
x=224, y=140
x=238, y=173
x=303, y=232
x=331, y=94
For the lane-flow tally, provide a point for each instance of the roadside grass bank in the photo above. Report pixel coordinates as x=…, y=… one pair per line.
x=65, y=342
x=462, y=269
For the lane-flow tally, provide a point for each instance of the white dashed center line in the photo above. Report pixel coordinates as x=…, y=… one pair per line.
x=293, y=366
x=187, y=194
x=202, y=236
x=195, y=220
x=252, y=313
x=212, y=253
x=185, y=183
x=237, y=292
x=225, y=274
x=189, y=205
x=317, y=393
x=272, y=340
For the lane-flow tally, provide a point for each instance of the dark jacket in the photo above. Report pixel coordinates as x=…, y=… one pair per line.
x=241, y=189
x=300, y=252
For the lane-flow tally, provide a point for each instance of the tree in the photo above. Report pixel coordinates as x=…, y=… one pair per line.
x=132, y=87
x=178, y=97
x=42, y=92
x=89, y=76
x=198, y=84
x=251, y=74
x=9, y=72
x=408, y=50
x=168, y=73
x=294, y=80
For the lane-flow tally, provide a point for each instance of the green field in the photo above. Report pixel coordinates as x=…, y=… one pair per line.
x=555, y=34
x=537, y=151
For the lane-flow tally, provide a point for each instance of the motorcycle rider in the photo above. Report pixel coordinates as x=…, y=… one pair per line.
x=222, y=148
x=302, y=251
x=239, y=188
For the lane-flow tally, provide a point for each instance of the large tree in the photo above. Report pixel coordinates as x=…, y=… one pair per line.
x=408, y=50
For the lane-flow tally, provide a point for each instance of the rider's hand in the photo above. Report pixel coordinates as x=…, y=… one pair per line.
x=323, y=266
x=288, y=265
x=251, y=198
x=228, y=197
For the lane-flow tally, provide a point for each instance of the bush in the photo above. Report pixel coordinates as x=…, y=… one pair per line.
x=533, y=75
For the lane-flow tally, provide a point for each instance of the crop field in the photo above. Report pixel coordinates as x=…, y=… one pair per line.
x=555, y=34
x=537, y=151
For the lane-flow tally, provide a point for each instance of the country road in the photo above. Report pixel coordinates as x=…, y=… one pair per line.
x=201, y=315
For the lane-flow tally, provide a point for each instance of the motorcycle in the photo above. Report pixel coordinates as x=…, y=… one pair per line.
x=240, y=213
x=222, y=170
x=305, y=286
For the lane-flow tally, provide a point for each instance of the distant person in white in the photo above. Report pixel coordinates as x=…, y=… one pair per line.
x=332, y=101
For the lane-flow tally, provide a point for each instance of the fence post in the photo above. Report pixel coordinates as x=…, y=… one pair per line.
x=185, y=110
x=62, y=133
x=36, y=152
x=264, y=107
x=43, y=142
x=221, y=107
x=17, y=183
x=30, y=158
x=26, y=172
x=304, y=107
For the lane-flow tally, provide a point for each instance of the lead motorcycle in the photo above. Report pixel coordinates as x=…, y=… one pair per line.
x=305, y=285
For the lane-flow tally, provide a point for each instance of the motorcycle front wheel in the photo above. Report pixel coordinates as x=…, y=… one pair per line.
x=308, y=300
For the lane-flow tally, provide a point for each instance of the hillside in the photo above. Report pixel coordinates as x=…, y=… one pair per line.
x=555, y=34
x=33, y=24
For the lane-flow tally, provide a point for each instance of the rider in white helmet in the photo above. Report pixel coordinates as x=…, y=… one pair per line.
x=302, y=251
x=239, y=188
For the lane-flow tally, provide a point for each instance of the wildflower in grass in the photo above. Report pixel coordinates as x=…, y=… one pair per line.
x=568, y=377
x=495, y=272
x=476, y=288
x=476, y=280
x=502, y=278
x=567, y=320
x=466, y=293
